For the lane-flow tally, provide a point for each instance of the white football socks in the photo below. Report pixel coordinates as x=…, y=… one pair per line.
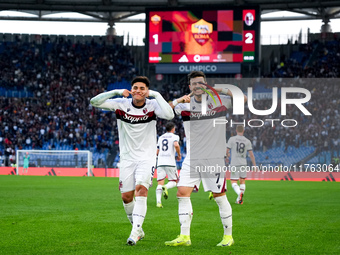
x=225, y=213
x=242, y=188
x=159, y=194
x=236, y=188
x=171, y=184
x=185, y=214
x=129, y=209
x=139, y=212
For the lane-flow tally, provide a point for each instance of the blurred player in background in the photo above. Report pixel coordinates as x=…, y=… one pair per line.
x=206, y=145
x=239, y=146
x=136, y=121
x=168, y=145
x=26, y=162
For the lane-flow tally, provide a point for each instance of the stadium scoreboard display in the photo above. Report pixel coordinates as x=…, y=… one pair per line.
x=228, y=35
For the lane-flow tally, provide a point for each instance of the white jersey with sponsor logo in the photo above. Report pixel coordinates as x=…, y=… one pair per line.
x=205, y=134
x=239, y=146
x=136, y=127
x=167, y=151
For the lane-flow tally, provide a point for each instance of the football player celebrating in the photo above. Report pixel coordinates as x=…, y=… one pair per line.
x=204, y=162
x=136, y=121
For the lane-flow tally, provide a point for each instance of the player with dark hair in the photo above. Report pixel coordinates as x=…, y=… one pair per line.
x=206, y=145
x=239, y=146
x=136, y=121
x=168, y=145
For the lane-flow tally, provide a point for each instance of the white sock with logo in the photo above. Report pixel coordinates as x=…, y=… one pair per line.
x=129, y=209
x=225, y=213
x=185, y=214
x=139, y=212
x=242, y=188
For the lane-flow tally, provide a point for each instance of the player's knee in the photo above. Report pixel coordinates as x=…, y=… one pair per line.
x=182, y=192
x=127, y=197
x=141, y=190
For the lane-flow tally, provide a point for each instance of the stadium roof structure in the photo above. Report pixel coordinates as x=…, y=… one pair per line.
x=112, y=11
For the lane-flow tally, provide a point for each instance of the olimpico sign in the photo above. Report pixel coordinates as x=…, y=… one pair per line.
x=203, y=68
x=206, y=68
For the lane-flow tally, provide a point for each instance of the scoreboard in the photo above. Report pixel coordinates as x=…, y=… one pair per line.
x=229, y=35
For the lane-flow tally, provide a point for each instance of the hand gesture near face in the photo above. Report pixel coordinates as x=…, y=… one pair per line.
x=126, y=93
x=185, y=98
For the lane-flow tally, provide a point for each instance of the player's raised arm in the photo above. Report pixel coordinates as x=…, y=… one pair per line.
x=165, y=111
x=227, y=92
x=181, y=100
x=100, y=100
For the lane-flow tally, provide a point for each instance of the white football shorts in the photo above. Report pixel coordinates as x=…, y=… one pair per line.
x=237, y=172
x=211, y=172
x=133, y=173
x=171, y=171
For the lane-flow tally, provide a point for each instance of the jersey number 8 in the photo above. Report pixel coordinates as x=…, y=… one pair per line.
x=165, y=146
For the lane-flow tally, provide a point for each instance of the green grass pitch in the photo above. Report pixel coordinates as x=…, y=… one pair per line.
x=81, y=215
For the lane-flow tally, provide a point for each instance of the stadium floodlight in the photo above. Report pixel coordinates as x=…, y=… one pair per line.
x=64, y=160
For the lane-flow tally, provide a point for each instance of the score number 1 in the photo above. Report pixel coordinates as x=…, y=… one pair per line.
x=155, y=37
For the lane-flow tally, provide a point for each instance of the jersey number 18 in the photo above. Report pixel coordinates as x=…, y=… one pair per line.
x=240, y=147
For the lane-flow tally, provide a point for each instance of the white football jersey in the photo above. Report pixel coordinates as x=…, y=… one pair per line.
x=136, y=127
x=205, y=134
x=239, y=146
x=167, y=151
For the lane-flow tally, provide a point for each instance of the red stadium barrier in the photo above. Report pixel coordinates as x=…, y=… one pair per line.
x=7, y=171
x=55, y=171
x=110, y=172
x=61, y=171
x=114, y=172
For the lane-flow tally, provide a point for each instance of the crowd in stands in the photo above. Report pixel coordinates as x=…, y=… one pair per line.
x=312, y=60
x=320, y=129
x=63, y=76
x=312, y=67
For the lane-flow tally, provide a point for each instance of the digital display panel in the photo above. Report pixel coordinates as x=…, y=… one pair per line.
x=203, y=36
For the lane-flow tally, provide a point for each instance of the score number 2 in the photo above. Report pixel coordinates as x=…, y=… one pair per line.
x=155, y=37
x=249, y=38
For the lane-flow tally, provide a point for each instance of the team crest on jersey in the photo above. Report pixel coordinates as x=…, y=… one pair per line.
x=210, y=106
x=120, y=185
x=128, y=109
x=194, y=107
x=145, y=110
